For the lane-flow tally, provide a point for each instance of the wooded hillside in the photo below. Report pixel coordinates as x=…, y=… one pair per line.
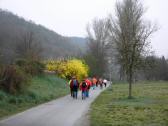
x=13, y=30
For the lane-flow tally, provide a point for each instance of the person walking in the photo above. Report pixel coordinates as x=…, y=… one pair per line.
x=74, y=85
x=105, y=82
x=101, y=83
x=89, y=84
x=94, y=81
x=71, y=90
x=83, y=87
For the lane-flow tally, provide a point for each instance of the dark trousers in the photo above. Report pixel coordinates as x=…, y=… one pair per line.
x=75, y=94
x=83, y=94
x=87, y=93
x=71, y=92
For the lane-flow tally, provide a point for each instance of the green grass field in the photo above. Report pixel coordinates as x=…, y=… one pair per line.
x=149, y=107
x=42, y=89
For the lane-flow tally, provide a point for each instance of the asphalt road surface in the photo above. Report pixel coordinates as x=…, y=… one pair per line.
x=64, y=111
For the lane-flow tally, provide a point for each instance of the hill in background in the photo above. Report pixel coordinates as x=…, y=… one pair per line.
x=13, y=28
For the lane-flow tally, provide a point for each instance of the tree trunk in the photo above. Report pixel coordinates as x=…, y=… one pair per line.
x=130, y=86
x=130, y=90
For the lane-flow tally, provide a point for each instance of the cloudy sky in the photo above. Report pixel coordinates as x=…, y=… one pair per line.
x=70, y=17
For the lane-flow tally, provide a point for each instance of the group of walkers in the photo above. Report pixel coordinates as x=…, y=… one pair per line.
x=85, y=85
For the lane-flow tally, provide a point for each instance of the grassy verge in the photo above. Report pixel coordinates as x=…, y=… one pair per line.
x=148, y=108
x=42, y=89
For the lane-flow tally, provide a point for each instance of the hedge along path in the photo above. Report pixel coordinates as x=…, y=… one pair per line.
x=64, y=111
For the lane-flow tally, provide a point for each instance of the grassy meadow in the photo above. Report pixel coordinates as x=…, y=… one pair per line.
x=42, y=88
x=149, y=107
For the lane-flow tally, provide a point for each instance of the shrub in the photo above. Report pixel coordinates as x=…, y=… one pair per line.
x=21, y=62
x=76, y=67
x=32, y=95
x=3, y=95
x=69, y=68
x=15, y=80
x=31, y=67
x=16, y=99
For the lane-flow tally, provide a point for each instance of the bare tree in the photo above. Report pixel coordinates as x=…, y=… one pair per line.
x=96, y=56
x=28, y=46
x=130, y=35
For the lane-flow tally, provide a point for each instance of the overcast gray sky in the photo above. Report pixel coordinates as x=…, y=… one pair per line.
x=70, y=17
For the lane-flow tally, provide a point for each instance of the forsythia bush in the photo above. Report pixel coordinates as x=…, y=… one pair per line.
x=67, y=69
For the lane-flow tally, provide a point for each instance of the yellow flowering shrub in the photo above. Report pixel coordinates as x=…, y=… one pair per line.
x=67, y=69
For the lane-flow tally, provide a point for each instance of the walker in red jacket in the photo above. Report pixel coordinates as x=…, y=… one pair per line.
x=83, y=87
x=89, y=84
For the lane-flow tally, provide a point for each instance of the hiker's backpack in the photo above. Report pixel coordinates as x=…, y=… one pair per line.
x=84, y=85
x=75, y=84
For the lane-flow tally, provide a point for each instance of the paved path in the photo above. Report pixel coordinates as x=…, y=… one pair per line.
x=64, y=111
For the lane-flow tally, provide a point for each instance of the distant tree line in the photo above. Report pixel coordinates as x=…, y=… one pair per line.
x=156, y=68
